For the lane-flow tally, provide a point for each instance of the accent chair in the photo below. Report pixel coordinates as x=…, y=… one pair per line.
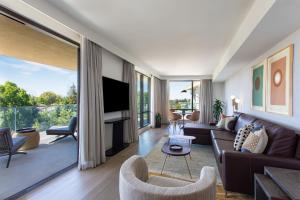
x=135, y=184
x=194, y=117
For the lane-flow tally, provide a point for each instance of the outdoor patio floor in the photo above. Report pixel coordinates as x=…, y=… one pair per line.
x=36, y=165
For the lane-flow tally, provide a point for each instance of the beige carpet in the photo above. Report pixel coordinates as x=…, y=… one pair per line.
x=202, y=155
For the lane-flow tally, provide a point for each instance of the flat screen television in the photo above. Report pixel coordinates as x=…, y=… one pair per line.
x=115, y=95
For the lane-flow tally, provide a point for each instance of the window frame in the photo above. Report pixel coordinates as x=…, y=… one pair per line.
x=141, y=111
x=192, y=94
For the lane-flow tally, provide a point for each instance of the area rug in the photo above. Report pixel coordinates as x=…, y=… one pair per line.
x=201, y=155
x=175, y=167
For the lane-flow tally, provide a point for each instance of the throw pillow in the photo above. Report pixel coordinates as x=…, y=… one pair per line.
x=257, y=127
x=221, y=123
x=256, y=142
x=230, y=123
x=241, y=136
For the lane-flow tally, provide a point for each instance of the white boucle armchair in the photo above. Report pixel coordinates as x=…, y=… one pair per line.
x=135, y=184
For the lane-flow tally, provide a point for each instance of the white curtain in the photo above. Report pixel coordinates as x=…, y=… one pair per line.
x=165, y=101
x=156, y=100
x=91, y=122
x=130, y=126
x=206, y=101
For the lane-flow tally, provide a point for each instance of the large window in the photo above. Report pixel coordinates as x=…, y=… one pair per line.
x=184, y=95
x=143, y=100
x=38, y=90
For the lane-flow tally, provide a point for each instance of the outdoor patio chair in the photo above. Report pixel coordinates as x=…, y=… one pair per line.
x=63, y=131
x=194, y=117
x=9, y=146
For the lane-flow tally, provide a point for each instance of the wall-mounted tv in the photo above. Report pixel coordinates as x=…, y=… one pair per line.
x=115, y=95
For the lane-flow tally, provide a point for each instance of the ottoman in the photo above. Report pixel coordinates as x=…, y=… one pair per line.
x=200, y=131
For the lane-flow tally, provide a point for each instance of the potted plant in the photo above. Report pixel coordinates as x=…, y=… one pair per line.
x=157, y=120
x=218, y=109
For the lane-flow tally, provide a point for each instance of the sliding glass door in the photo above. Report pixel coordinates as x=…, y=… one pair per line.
x=184, y=95
x=143, y=100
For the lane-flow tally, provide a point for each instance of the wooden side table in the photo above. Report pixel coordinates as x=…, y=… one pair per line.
x=32, y=138
x=277, y=184
x=266, y=189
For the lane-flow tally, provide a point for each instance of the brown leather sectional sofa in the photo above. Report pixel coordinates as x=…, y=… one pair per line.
x=237, y=168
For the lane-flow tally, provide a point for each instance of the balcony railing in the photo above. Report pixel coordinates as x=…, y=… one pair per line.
x=39, y=117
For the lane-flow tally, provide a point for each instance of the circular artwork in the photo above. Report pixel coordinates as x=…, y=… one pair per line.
x=277, y=78
x=257, y=83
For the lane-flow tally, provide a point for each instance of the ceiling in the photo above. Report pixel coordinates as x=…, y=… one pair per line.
x=22, y=41
x=174, y=37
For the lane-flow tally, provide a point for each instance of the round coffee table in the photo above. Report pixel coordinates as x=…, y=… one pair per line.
x=186, y=150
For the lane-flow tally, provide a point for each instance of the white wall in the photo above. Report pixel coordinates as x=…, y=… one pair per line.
x=112, y=68
x=240, y=85
x=218, y=91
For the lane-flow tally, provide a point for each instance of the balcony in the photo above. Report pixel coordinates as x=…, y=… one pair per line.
x=45, y=160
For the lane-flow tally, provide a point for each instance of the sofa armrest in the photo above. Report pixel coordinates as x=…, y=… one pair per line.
x=259, y=160
x=236, y=171
x=238, y=168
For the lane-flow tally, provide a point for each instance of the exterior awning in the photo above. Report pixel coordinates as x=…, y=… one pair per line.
x=24, y=42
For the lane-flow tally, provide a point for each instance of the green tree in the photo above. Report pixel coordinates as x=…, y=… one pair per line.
x=72, y=96
x=11, y=95
x=49, y=98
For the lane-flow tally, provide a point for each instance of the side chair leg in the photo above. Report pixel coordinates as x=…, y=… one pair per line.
x=8, y=161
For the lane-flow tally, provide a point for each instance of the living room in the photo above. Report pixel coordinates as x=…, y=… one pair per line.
x=176, y=100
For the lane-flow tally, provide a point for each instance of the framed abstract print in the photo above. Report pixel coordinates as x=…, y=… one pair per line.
x=259, y=86
x=280, y=82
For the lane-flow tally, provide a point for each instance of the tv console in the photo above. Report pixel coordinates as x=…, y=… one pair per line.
x=118, y=135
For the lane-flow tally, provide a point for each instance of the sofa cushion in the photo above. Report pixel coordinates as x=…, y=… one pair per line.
x=220, y=146
x=222, y=135
x=281, y=141
x=297, y=155
x=243, y=120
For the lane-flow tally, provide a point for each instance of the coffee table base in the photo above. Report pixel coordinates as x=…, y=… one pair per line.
x=185, y=162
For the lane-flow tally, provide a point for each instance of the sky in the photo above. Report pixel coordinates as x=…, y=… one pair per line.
x=176, y=87
x=36, y=78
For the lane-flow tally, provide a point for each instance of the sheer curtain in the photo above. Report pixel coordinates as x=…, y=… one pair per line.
x=130, y=126
x=165, y=101
x=156, y=100
x=91, y=122
x=206, y=101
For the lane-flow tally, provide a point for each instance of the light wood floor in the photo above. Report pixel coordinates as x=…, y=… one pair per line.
x=98, y=183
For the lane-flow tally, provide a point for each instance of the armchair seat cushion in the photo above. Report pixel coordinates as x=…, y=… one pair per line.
x=18, y=142
x=59, y=130
x=166, y=182
x=222, y=135
x=220, y=146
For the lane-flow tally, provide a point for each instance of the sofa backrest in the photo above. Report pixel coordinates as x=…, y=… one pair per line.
x=281, y=141
x=243, y=120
